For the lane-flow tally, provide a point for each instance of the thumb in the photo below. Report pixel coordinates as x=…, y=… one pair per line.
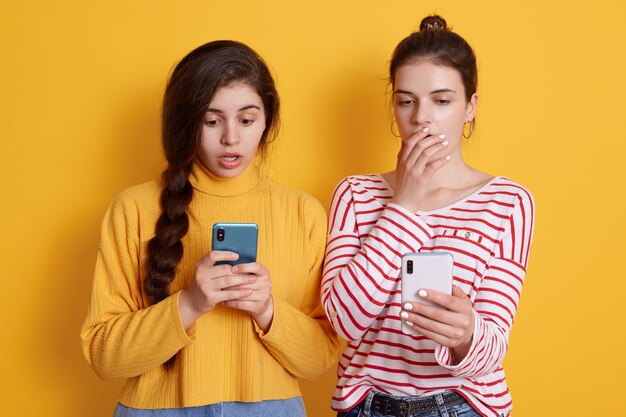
x=458, y=293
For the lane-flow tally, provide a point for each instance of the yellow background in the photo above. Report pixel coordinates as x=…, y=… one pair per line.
x=81, y=84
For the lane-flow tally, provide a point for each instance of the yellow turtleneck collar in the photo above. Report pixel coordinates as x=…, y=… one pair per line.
x=205, y=181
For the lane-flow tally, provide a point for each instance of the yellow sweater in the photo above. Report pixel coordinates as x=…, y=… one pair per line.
x=223, y=356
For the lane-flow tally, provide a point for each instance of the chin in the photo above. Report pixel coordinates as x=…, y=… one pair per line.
x=223, y=173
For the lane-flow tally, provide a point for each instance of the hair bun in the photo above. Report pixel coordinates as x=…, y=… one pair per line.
x=434, y=22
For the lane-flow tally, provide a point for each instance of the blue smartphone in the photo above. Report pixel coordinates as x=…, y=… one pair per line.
x=241, y=238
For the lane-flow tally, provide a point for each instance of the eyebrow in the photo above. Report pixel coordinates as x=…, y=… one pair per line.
x=244, y=108
x=441, y=90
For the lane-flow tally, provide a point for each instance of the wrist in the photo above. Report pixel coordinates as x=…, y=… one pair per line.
x=460, y=352
x=264, y=320
x=188, y=314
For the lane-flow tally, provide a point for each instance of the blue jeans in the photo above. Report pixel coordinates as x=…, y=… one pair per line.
x=292, y=407
x=458, y=410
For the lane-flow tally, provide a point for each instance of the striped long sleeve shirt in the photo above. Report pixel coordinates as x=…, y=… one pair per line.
x=488, y=233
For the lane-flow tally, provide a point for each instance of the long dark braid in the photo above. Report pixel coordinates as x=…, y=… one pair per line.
x=189, y=91
x=165, y=249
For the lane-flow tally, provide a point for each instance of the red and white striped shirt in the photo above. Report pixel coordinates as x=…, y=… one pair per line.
x=489, y=235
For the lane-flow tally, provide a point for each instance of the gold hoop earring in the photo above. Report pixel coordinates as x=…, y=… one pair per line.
x=392, y=132
x=471, y=129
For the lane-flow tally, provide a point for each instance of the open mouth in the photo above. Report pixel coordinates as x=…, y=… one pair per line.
x=230, y=161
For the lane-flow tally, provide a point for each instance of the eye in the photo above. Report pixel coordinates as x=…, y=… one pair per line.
x=405, y=102
x=212, y=122
x=443, y=101
x=246, y=122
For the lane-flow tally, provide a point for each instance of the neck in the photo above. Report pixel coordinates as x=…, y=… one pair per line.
x=455, y=174
x=204, y=180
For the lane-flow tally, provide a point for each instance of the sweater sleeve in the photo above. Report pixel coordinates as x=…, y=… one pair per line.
x=122, y=338
x=497, y=299
x=359, y=276
x=300, y=338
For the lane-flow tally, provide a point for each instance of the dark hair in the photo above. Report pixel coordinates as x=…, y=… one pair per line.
x=190, y=89
x=437, y=44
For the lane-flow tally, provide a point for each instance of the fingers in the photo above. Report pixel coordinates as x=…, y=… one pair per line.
x=421, y=156
x=458, y=293
x=210, y=258
x=434, y=313
x=425, y=152
x=454, y=302
x=232, y=282
x=421, y=143
x=446, y=328
x=261, y=284
x=229, y=295
x=419, y=135
x=449, y=320
x=259, y=301
x=433, y=166
x=435, y=336
x=417, y=142
x=250, y=268
x=211, y=286
x=213, y=280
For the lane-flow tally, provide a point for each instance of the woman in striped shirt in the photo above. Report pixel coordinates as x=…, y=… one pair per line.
x=432, y=202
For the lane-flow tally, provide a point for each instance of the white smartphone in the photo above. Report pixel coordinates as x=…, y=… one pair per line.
x=236, y=237
x=429, y=271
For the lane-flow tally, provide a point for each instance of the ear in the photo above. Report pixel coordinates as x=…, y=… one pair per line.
x=471, y=107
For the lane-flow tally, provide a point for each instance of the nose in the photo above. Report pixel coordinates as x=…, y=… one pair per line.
x=230, y=135
x=421, y=116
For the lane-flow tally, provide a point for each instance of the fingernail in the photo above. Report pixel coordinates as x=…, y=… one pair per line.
x=409, y=323
x=404, y=315
x=426, y=129
x=447, y=158
x=442, y=136
x=235, y=256
x=422, y=293
x=408, y=306
x=445, y=143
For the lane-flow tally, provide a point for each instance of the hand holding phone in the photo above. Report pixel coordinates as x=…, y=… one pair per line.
x=428, y=271
x=242, y=238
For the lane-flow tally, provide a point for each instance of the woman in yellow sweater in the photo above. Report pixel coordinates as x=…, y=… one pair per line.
x=192, y=338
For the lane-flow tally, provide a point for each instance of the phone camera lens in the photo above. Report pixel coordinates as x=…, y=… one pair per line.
x=409, y=267
x=220, y=235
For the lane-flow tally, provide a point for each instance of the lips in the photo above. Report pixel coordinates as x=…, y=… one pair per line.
x=230, y=160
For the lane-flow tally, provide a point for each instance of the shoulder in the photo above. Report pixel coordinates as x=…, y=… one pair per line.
x=511, y=191
x=365, y=181
x=359, y=184
x=136, y=200
x=511, y=200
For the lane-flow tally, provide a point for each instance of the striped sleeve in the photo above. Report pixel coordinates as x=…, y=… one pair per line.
x=359, y=276
x=497, y=299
